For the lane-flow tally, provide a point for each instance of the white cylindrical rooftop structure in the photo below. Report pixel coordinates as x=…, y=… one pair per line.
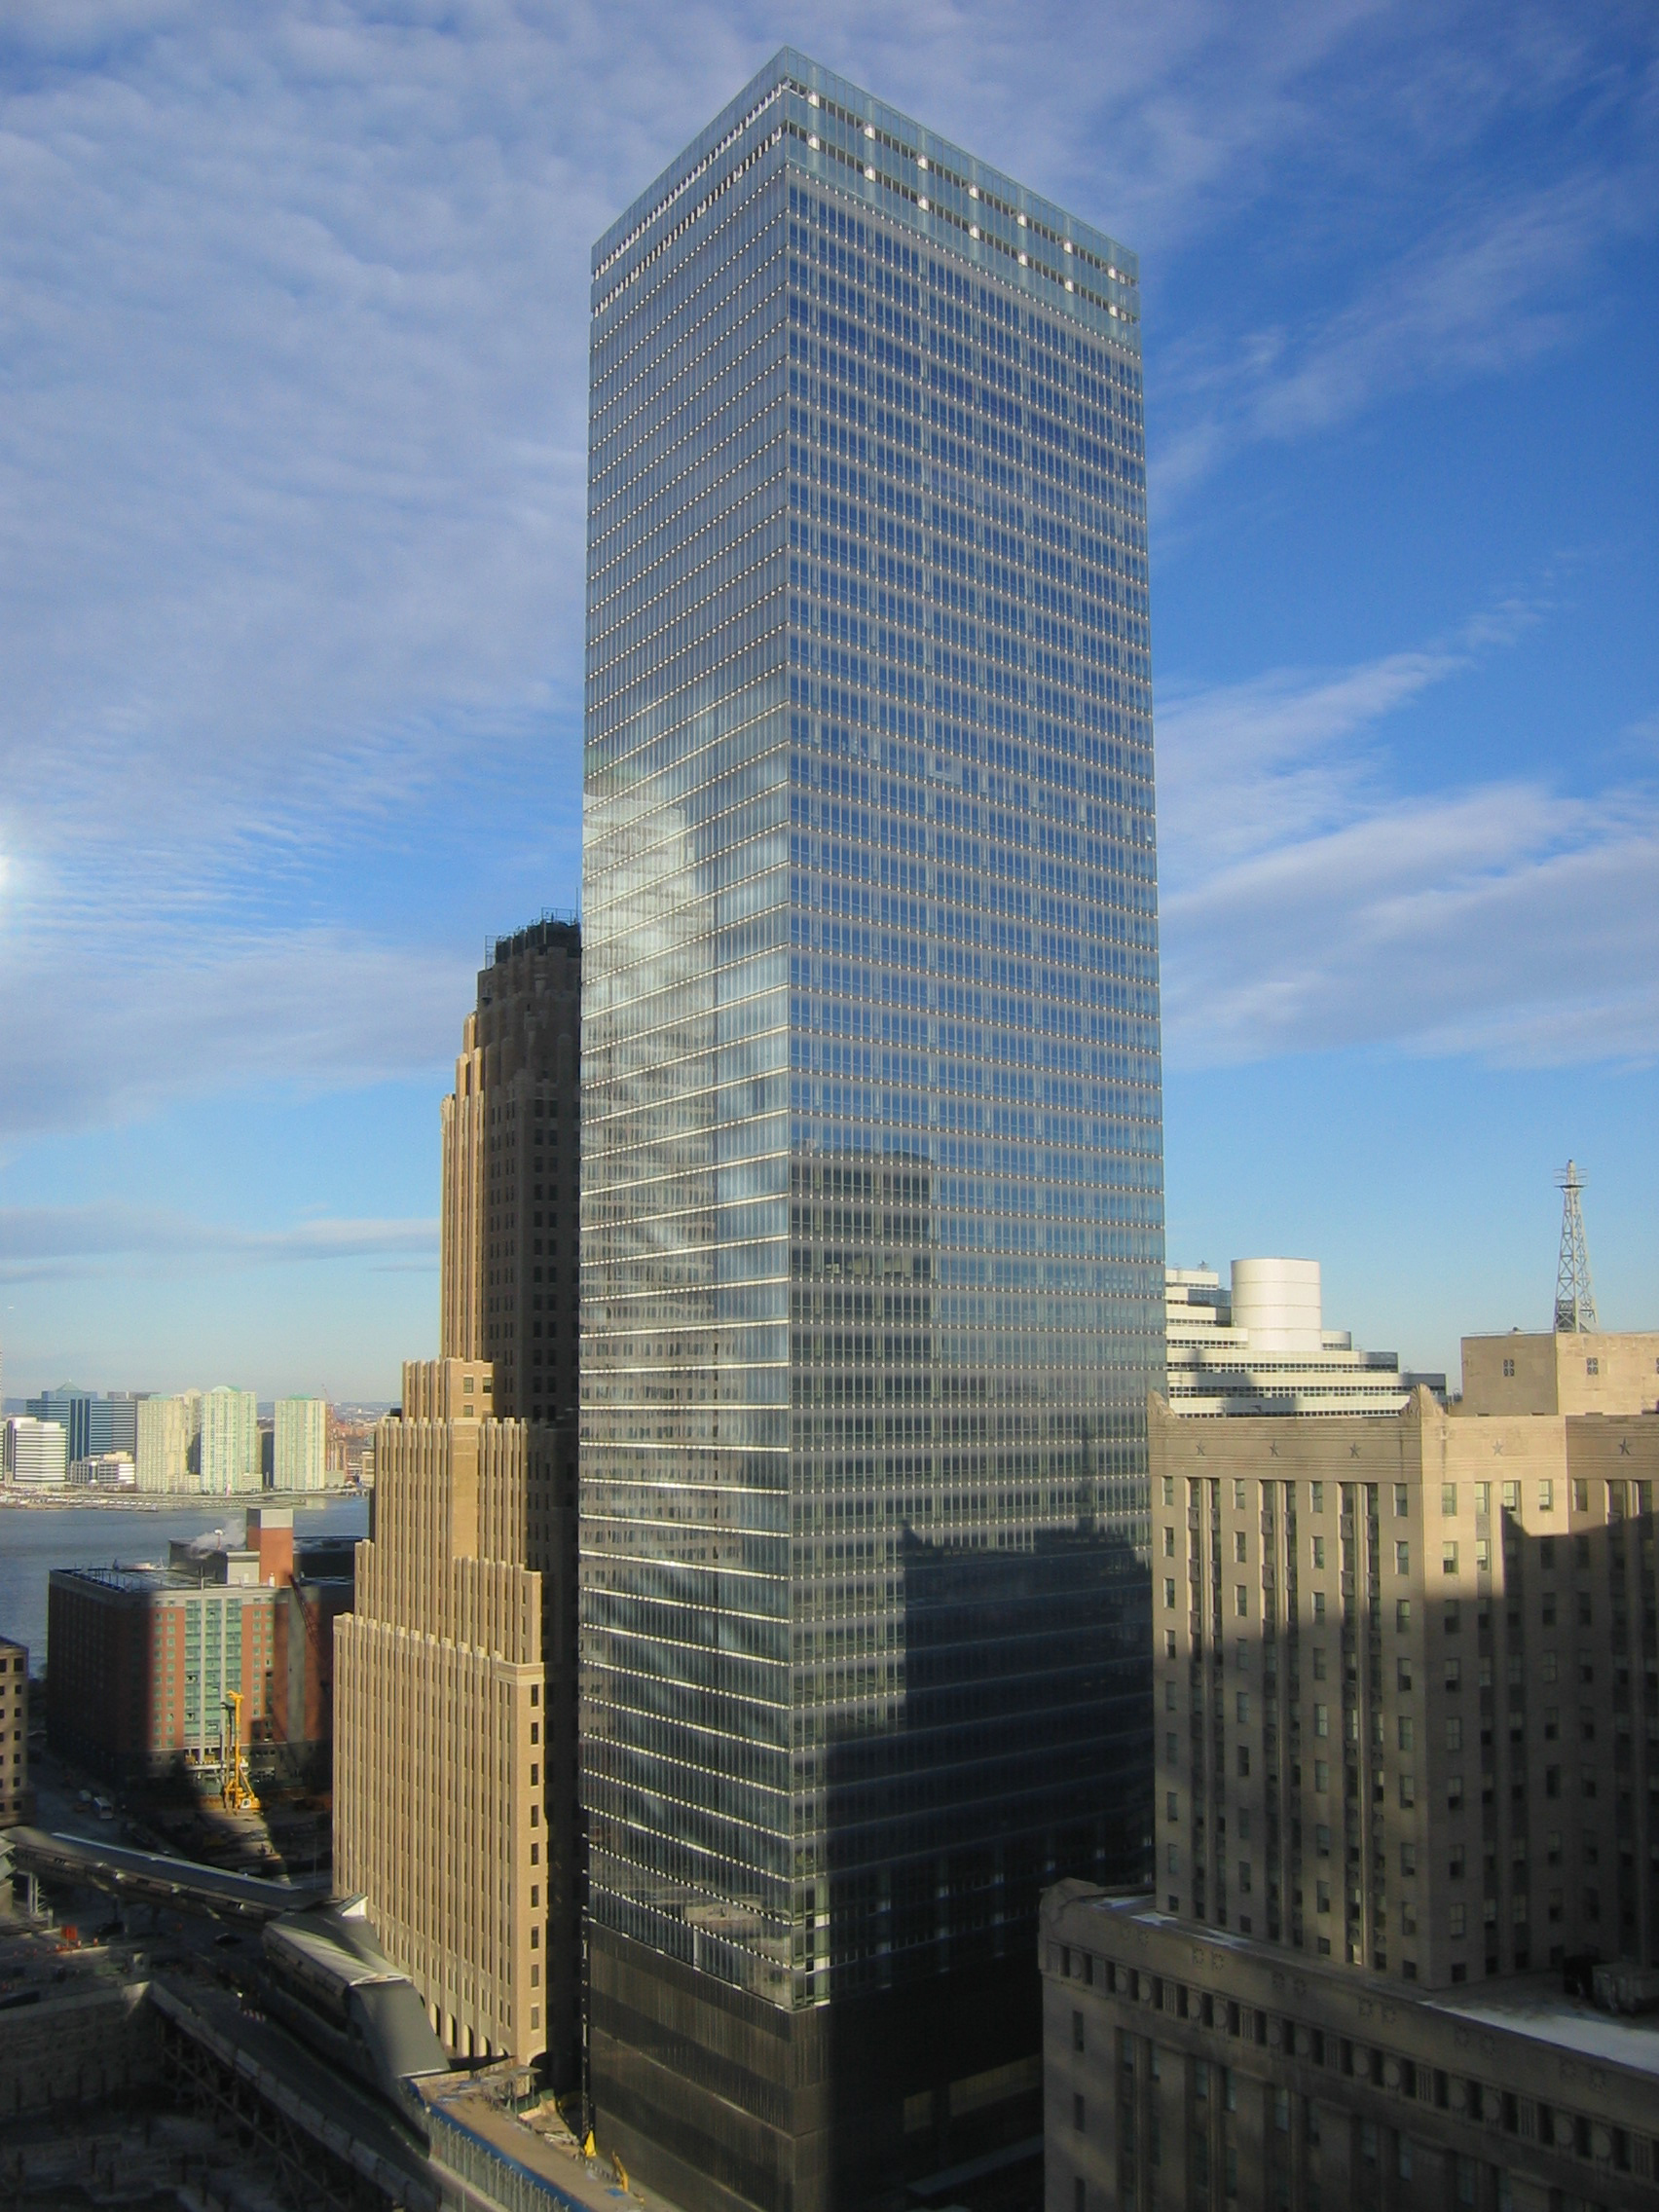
x=1278, y=1300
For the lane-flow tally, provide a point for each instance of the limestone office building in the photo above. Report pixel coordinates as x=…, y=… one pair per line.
x=1407, y=1713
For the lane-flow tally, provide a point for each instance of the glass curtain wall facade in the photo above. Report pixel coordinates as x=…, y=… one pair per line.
x=873, y=1287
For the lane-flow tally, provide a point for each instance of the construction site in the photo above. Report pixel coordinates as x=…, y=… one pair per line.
x=176, y=2036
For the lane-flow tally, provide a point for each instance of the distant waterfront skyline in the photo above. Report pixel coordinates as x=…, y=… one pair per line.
x=292, y=496
x=35, y=1538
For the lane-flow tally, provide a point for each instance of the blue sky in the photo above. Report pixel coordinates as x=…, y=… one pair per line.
x=292, y=351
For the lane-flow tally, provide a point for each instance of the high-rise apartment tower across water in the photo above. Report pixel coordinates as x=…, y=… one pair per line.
x=872, y=1252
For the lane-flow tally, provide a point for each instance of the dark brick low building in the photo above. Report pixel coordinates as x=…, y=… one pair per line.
x=143, y=1661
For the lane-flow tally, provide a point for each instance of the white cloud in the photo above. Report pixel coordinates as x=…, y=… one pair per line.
x=1245, y=764
x=171, y=1012
x=1308, y=903
x=292, y=461
x=1485, y=275
x=59, y=1243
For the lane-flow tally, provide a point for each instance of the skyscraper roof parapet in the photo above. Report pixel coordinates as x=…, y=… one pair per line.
x=552, y=926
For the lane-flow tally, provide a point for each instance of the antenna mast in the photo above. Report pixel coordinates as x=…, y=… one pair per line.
x=1574, y=1299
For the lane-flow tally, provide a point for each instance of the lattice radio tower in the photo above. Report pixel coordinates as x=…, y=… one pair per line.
x=1574, y=1299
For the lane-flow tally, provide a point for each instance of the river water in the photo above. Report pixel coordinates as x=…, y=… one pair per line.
x=36, y=1538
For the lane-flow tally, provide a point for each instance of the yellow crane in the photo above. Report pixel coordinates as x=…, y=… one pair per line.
x=236, y=1792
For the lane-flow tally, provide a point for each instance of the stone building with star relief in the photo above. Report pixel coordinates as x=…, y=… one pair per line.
x=1405, y=1928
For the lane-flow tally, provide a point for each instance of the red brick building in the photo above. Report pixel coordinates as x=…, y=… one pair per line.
x=143, y=1661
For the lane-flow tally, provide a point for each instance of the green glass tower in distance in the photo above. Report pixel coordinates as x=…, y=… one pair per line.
x=872, y=1253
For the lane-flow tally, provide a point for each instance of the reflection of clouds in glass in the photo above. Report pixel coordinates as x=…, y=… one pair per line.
x=872, y=1172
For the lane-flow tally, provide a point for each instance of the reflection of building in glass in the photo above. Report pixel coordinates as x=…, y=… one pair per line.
x=1259, y=1347
x=871, y=1237
x=1406, y=1719
x=1043, y=1648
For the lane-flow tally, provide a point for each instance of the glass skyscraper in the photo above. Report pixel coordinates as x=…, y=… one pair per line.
x=873, y=1245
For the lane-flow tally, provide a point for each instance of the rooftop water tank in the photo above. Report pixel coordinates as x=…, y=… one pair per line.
x=1278, y=1300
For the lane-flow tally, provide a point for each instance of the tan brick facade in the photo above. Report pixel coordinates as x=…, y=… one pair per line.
x=1407, y=1694
x=1406, y=1685
x=460, y=1225
x=454, y=1797
x=439, y=1725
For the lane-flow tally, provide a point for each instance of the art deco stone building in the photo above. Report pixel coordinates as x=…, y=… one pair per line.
x=439, y=1708
x=454, y=1800
x=1407, y=1711
x=511, y=1176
